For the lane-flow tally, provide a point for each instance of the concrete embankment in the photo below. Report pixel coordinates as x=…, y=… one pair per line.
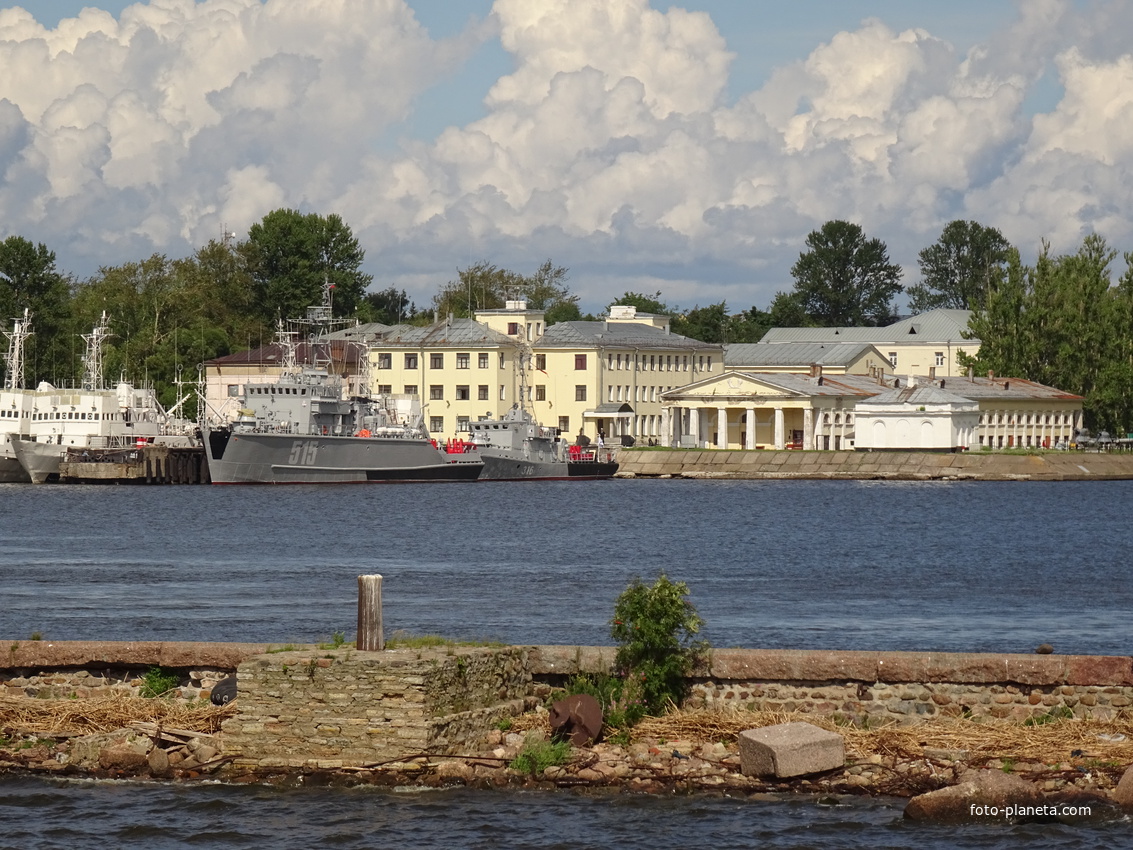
x=897, y=466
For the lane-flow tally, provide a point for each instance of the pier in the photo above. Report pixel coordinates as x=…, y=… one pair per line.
x=149, y=464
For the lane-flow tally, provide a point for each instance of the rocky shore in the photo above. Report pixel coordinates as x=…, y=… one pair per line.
x=943, y=784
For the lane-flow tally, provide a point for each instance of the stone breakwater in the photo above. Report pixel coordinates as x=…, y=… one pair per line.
x=462, y=714
x=897, y=466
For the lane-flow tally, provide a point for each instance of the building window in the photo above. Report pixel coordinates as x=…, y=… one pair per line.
x=580, y=361
x=893, y=359
x=436, y=424
x=610, y=393
x=482, y=392
x=436, y=392
x=652, y=363
x=501, y=360
x=385, y=360
x=462, y=393
x=540, y=392
x=709, y=362
x=462, y=423
x=564, y=424
x=541, y=362
x=410, y=361
x=482, y=360
x=580, y=392
x=463, y=361
x=940, y=358
x=513, y=328
x=503, y=393
x=411, y=389
x=385, y=389
x=436, y=361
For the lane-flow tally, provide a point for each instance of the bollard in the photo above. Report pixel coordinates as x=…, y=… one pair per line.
x=370, y=637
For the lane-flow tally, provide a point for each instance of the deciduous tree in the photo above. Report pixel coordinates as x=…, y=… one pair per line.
x=844, y=279
x=958, y=270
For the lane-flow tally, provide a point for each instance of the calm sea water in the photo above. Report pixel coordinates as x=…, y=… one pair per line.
x=849, y=565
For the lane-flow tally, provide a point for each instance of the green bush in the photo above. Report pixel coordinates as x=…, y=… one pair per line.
x=655, y=627
x=538, y=754
x=159, y=681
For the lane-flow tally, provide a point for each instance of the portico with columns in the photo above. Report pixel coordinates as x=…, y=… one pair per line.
x=762, y=411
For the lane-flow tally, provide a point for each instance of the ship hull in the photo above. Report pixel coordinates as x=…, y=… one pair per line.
x=499, y=467
x=252, y=458
x=11, y=472
x=40, y=461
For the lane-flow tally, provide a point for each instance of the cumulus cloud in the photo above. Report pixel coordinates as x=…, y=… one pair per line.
x=608, y=146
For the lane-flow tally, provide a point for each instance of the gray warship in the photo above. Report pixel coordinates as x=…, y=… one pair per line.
x=517, y=447
x=302, y=429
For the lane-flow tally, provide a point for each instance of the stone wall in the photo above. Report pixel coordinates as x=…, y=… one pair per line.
x=348, y=708
x=915, y=466
x=873, y=687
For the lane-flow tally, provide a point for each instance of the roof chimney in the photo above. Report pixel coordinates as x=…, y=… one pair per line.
x=971, y=374
x=932, y=373
x=1006, y=385
x=991, y=374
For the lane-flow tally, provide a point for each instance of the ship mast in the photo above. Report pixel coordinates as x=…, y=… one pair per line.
x=21, y=330
x=92, y=360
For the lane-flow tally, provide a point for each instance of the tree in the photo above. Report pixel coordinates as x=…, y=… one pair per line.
x=1063, y=323
x=957, y=271
x=29, y=280
x=844, y=279
x=644, y=303
x=715, y=324
x=485, y=286
x=390, y=306
x=288, y=257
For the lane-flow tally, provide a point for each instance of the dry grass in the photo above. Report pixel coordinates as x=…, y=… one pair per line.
x=105, y=714
x=1049, y=742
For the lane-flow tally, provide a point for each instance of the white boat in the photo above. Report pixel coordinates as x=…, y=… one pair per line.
x=90, y=417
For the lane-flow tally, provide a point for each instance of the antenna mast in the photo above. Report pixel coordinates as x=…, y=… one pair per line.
x=21, y=330
x=92, y=360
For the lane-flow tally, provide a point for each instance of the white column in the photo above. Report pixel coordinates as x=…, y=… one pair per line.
x=780, y=441
x=667, y=421
x=721, y=427
x=749, y=443
x=808, y=429
x=817, y=437
x=694, y=424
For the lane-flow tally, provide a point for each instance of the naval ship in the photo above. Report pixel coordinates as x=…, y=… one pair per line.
x=303, y=429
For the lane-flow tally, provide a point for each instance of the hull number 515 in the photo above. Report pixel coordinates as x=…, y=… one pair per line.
x=303, y=453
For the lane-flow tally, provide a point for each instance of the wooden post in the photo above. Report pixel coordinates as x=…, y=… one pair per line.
x=370, y=637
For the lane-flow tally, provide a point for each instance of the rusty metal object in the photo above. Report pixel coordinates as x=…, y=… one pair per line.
x=578, y=718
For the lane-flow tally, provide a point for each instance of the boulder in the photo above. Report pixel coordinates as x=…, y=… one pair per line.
x=1123, y=794
x=158, y=761
x=123, y=757
x=790, y=749
x=981, y=795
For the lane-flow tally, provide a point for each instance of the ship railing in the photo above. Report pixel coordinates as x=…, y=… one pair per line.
x=592, y=454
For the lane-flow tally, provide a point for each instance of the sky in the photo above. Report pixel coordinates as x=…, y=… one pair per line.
x=647, y=146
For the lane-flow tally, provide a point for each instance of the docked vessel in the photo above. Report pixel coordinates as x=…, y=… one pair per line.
x=15, y=402
x=516, y=447
x=301, y=430
x=90, y=418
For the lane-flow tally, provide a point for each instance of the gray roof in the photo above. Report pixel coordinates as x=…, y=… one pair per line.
x=448, y=332
x=616, y=335
x=360, y=333
x=757, y=354
x=996, y=389
x=933, y=326
x=920, y=394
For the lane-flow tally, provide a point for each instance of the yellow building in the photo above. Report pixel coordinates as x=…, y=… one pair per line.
x=460, y=370
x=913, y=346
x=607, y=377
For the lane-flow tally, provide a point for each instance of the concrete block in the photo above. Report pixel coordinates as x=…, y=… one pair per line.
x=790, y=749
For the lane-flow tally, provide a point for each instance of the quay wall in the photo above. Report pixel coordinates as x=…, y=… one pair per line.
x=314, y=707
x=898, y=466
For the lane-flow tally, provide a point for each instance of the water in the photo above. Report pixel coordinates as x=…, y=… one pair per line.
x=803, y=564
